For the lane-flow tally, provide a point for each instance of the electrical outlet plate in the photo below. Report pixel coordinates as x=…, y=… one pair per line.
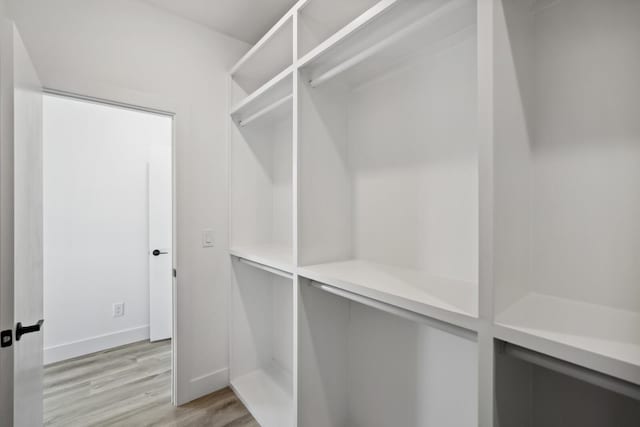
x=118, y=309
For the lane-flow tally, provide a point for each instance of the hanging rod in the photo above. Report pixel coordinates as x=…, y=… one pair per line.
x=587, y=375
x=272, y=270
x=397, y=311
x=372, y=50
x=269, y=108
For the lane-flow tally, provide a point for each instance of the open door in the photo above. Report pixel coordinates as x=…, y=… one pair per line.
x=21, y=220
x=160, y=237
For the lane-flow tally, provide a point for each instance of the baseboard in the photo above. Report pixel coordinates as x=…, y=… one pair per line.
x=208, y=383
x=98, y=343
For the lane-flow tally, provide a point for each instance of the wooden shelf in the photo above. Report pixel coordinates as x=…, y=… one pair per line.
x=596, y=336
x=386, y=34
x=443, y=299
x=274, y=256
x=264, y=393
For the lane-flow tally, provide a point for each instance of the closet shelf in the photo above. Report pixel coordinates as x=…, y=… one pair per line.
x=283, y=104
x=273, y=90
x=267, y=58
x=264, y=395
x=598, y=337
x=392, y=30
x=273, y=256
x=268, y=37
x=443, y=299
x=348, y=30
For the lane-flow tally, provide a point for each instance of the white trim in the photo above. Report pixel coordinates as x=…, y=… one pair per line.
x=101, y=101
x=208, y=383
x=90, y=345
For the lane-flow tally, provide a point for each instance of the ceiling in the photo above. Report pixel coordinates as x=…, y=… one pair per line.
x=246, y=20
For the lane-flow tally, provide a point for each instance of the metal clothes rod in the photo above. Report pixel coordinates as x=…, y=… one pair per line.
x=265, y=268
x=265, y=110
x=400, y=312
x=372, y=50
x=587, y=375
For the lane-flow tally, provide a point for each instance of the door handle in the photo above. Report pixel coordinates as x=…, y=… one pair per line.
x=157, y=252
x=21, y=330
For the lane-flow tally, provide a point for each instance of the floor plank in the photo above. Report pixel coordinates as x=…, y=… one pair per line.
x=130, y=386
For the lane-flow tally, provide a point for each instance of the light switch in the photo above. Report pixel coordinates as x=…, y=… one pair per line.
x=208, y=240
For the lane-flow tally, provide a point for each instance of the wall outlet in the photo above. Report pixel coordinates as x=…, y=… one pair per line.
x=208, y=239
x=118, y=309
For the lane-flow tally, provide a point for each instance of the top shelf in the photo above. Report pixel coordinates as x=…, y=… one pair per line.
x=269, y=57
x=385, y=35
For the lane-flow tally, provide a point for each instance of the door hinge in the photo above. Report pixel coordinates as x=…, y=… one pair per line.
x=6, y=338
x=175, y=273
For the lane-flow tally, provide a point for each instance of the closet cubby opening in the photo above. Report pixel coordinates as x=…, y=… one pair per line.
x=359, y=365
x=388, y=175
x=535, y=390
x=263, y=63
x=567, y=176
x=261, y=339
x=261, y=181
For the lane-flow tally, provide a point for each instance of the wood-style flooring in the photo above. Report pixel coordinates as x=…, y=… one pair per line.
x=130, y=386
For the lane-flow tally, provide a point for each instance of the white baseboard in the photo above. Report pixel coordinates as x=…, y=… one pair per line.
x=208, y=383
x=66, y=351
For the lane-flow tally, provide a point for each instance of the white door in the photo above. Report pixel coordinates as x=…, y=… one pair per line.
x=160, y=239
x=20, y=233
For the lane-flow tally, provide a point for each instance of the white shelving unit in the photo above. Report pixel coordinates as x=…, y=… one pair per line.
x=418, y=185
x=567, y=181
x=261, y=342
x=388, y=182
x=362, y=366
x=262, y=174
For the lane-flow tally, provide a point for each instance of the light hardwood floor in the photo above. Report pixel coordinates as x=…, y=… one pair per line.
x=130, y=386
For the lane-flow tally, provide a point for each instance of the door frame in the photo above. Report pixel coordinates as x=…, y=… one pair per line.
x=174, y=223
x=7, y=225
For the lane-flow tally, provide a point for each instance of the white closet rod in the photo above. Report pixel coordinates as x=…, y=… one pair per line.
x=584, y=374
x=372, y=50
x=265, y=110
x=397, y=311
x=265, y=268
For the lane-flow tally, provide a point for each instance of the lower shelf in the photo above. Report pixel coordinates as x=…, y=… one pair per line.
x=263, y=393
x=409, y=289
x=599, y=330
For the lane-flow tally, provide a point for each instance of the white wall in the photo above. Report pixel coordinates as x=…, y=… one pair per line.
x=131, y=52
x=96, y=224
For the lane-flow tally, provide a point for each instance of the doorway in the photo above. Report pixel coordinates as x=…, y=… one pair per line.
x=108, y=257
